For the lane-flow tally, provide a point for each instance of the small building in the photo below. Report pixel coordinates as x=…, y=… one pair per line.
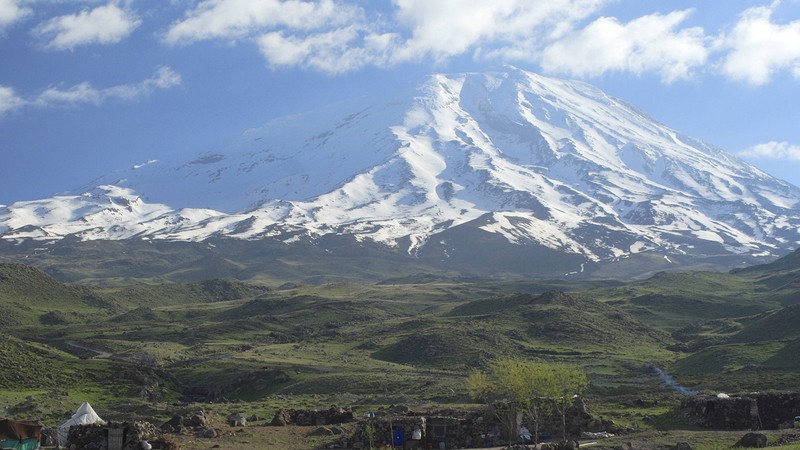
x=20, y=434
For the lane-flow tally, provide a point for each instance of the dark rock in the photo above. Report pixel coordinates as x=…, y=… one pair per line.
x=683, y=446
x=321, y=431
x=175, y=423
x=281, y=418
x=752, y=440
x=399, y=410
x=198, y=420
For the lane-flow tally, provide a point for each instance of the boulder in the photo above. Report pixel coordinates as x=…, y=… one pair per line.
x=683, y=446
x=176, y=422
x=398, y=410
x=281, y=418
x=237, y=420
x=321, y=431
x=752, y=440
x=198, y=420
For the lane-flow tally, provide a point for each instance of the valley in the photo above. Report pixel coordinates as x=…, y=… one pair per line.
x=144, y=348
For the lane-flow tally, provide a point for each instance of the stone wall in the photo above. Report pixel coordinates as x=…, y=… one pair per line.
x=310, y=417
x=757, y=411
x=467, y=429
x=95, y=437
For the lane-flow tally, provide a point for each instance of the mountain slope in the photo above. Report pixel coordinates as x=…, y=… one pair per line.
x=29, y=296
x=548, y=164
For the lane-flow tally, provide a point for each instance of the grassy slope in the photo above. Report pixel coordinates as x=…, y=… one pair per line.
x=411, y=339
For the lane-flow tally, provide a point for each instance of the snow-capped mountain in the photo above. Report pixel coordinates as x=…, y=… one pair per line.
x=537, y=161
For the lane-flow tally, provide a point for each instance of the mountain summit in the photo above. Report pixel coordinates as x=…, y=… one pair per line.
x=467, y=161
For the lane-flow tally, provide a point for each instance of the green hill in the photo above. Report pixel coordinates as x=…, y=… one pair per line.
x=779, y=280
x=565, y=321
x=166, y=294
x=780, y=325
x=762, y=353
x=27, y=295
x=672, y=300
x=448, y=347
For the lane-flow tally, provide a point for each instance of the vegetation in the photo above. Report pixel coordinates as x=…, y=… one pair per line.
x=134, y=346
x=513, y=387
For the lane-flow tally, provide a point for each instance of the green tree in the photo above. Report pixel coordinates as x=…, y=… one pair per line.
x=565, y=383
x=512, y=387
x=369, y=432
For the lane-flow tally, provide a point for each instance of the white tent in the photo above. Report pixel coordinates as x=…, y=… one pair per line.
x=85, y=415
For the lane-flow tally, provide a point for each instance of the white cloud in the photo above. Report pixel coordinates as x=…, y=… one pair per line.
x=232, y=19
x=334, y=52
x=447, y=28
x=336, y=37
x=773, y=150
x=650, y=43
x=758, y=48
x=9, y=100
x=107, y=24
x=11, y=11
x=85, y=93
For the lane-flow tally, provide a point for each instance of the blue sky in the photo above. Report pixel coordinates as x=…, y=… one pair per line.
x=87, y=87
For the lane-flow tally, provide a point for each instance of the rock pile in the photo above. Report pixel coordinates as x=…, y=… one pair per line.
x=312, y=417
x=96, y=437
x=193, y=421
x=198, y=423
x=568, y=445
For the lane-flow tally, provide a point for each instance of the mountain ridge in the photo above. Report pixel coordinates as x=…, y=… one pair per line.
x=535, y=161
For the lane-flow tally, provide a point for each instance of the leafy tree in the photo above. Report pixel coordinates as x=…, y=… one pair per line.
x=566, y=382
x=513, y=386
x=369, y=431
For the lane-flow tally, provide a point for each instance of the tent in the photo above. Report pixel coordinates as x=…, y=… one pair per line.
x=85, y=415
x=20, y=434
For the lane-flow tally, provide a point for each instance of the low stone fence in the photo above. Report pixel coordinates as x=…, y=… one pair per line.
x=757, y=411
x=312, y=417
x=113, y=436
x=464, y=429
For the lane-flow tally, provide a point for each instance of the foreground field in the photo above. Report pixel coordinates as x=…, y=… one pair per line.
x=143, y=351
